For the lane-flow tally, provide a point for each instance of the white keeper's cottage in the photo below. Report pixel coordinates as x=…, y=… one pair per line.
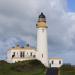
x=18, y=53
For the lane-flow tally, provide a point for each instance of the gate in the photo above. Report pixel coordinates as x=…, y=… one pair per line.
x=52, y=71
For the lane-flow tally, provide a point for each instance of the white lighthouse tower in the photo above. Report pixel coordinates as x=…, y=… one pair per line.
x=42, y=49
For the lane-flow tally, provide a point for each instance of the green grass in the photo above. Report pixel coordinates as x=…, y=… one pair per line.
x=32, y=67
x=67, y=70
x=68, y=73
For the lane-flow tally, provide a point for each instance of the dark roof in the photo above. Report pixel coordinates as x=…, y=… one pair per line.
x=41, y=15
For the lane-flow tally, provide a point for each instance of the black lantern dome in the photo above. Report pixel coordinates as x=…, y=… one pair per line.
x=41, y=15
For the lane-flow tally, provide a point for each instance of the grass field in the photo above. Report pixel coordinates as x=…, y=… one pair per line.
x=68, y=73
x=32, y=67
x=22, y=68
x=67, y=70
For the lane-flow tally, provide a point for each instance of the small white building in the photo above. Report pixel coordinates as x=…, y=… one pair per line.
x=55, y=62
x=20, y=54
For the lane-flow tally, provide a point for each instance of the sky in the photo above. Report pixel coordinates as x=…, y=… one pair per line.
x=18, y=20
x=71, y=5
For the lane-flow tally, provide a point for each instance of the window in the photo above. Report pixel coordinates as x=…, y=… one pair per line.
x=42, y=55
x=59, y=62
x=27, y=53
x=21, y=54
x=52, y=62
x=34, y=56
x=31, y=54
x=17, y=53
x=13, y=54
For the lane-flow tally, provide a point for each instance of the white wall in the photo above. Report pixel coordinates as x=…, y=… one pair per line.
x=55, y=62
x=42, y=48
x=17, y=55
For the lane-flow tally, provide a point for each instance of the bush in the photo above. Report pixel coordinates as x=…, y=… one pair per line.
x=25, y=66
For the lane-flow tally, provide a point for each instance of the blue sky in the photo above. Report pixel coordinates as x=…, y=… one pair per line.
x=71, y=5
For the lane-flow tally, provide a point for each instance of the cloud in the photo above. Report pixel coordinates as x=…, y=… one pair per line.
x=18, y=20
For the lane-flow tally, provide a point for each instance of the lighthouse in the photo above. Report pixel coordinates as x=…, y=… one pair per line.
x=42, y=47
x=17, y=53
